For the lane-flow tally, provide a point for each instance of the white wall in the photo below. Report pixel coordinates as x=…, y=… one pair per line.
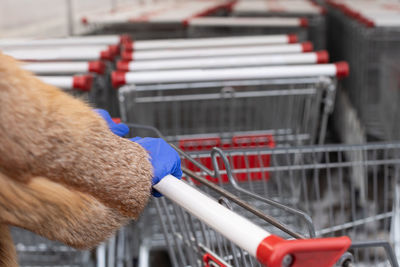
x=46, y=18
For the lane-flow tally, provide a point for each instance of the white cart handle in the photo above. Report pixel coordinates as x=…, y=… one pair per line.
x=216, y=51
x=210, y=42
x=77, y=82
x=70, y=41
x=65, y=53
x=339, y=69
x=98, y=67
x=248, y=22
x=269, y=249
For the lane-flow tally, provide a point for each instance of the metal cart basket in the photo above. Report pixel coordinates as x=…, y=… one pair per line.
x=313, y=191
x=290, y=103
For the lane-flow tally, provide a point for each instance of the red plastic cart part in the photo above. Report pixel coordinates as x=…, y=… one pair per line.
x=83, y=82
x=118, y=79
x=304, y=22
x=128, y=46
x=254, y=163
x=307, y=47
x=106, y=55
x=97, y=67
x=116, y=120
x=342, y=69
x=123, y=65
x=125, y=38
x=127, y=55
x=318, y=252
x=114, y=49
x=208, y=258
x=322, y=56
x=292, y=38
x=84, y=21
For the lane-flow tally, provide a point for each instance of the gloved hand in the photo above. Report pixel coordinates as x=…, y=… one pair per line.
x=119, y=129
x=163, y=157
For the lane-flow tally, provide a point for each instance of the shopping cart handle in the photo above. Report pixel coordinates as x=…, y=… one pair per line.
x=269, y=249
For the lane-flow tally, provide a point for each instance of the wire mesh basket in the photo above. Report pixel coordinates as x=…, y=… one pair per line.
x=293, y=110
x=313, y=191
x=363, y=34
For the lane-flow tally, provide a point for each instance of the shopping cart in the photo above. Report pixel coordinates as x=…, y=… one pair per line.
x=291, y=103
x=293, y=192
x=314, y=13
x=346, y=190
x=363, y=33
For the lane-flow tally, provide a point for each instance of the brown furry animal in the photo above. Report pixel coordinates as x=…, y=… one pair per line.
x=63, y=174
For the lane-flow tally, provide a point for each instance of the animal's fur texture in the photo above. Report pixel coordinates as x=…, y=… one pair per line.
x=63, y=174
x=8, y=257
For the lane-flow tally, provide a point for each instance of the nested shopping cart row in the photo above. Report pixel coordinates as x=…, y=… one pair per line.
x=290, y=102
x=365, y=34
x=79, y=65
x=204, y=19
x=43, y=58
x=234, y=108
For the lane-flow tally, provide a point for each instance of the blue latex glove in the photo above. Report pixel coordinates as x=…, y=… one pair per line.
x=163, y=157
x=119, y=129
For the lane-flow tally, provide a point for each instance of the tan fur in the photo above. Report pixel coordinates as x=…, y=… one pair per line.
x=8, y=257
x=92, y=180
x=45, y=132
x=56, y=212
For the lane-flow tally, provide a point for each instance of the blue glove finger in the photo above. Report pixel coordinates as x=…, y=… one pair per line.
x=119, y=129
x=163, y=157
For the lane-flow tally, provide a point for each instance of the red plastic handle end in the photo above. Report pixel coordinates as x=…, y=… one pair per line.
x=83, y=82
x=84, y=21
x=292, y=38
x=118, y=79
x=123, y=65
x=126, y=55
x=304, y=22
x=125, y=38
x=322, y=252
x=342, y=69
x=128, y=46
x=322, y=56
x=106, y=55
x=307, y=47
x=97, y=67
x=114, y=50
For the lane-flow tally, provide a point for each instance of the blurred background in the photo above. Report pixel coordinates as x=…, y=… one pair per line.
x=301, y=96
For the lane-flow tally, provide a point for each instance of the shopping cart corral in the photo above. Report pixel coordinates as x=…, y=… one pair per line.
x=289, y=103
